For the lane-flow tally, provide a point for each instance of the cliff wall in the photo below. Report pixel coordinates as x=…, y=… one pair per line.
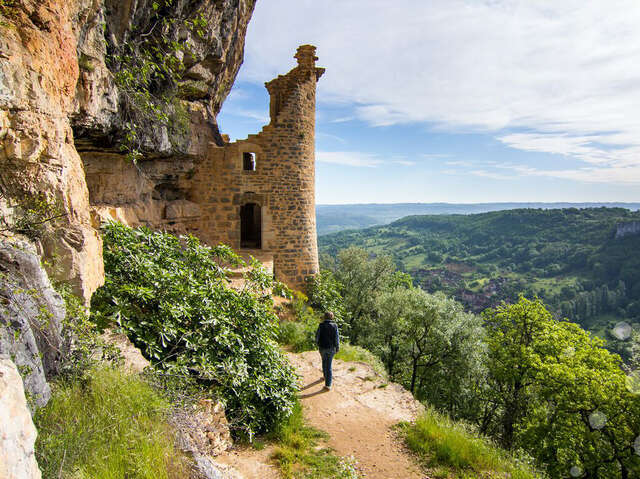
x=67, y=109
x=627, y=229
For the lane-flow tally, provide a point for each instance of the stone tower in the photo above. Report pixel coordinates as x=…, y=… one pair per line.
x=258, y=194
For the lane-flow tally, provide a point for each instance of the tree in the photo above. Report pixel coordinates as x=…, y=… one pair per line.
x=430, y=344
x=559, y=394
x=362, y=279
x=324, y=294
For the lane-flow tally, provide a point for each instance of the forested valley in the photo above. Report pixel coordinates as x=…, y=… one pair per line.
x=584, y=264
x=542, y=387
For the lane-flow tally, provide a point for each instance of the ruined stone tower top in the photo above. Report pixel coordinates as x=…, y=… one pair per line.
x=306, y=56
x=281, y=88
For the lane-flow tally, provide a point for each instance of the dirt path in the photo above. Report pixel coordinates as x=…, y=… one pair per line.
x=358, y=413
x=245, y=462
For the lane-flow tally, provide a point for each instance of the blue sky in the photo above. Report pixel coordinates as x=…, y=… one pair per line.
x=458, y=100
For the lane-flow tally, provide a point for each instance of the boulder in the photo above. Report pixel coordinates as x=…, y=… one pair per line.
x=17, y=432
x=31, y=318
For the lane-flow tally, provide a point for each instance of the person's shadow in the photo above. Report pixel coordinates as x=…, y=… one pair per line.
x=315, y=393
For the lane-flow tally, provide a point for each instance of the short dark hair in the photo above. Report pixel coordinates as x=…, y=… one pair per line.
x=328, y=315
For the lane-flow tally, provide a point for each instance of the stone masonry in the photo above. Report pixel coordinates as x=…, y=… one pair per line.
x=280, y=183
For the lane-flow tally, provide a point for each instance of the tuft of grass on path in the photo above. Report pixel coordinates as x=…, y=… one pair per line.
x=107, y=425
x=451, y=450
x=351, y=353
x=299, y=455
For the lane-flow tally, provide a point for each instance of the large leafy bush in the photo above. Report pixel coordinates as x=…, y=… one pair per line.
x=171, y=297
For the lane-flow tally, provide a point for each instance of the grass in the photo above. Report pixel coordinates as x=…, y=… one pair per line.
x=299, y=336
x=452, y=450
x=108, y=425
x=356, y=353
x=299, y=454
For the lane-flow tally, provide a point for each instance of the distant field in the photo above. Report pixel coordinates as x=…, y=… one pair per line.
x=334, y=218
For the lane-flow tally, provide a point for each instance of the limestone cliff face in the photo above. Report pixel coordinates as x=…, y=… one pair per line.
x=62, y=113
x=211, y=59
x=31, y=318
x=627, y=229
x=38, y=74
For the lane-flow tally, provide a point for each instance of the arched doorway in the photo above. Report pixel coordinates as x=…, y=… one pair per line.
x=250, y=226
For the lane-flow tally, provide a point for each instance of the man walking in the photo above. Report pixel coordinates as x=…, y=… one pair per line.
x=328, y=341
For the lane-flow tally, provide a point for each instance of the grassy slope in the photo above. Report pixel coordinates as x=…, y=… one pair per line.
x=452, y=450
x=109, y=425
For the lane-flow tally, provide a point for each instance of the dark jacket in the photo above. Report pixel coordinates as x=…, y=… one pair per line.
x=327, y=335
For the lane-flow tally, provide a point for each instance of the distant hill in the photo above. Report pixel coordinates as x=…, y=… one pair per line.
x=334, y=218
x=584, y=263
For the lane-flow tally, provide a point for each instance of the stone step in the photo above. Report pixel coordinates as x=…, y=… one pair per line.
x=265, y=257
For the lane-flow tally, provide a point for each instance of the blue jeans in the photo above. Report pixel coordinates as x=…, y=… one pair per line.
x=327, y=359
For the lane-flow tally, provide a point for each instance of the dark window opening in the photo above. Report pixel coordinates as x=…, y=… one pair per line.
x=250, y=226
x=249, y=161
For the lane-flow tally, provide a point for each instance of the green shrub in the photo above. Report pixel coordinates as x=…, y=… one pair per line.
x=299, y=335
x=282, y=290
x=451, y=447
x=171, y=297
x=83, y=347
x=31, y=216
x=109, y=425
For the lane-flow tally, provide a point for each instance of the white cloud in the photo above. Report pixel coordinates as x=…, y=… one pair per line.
x=260, y=116
x=565, y=71
x=459, y=163
x=491, y=175
x=343, y=119
x=329, y=136
x=349, y=158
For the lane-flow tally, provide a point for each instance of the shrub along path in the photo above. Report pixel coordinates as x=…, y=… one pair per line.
x=358, y=414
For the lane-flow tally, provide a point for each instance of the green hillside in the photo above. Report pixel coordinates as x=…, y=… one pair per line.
x=334, y=218
x=571, y=258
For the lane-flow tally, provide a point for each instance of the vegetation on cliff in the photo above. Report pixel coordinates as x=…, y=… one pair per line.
x=147, y=70
x=111, y=424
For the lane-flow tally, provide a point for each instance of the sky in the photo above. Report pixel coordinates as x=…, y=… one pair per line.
x=458, y=101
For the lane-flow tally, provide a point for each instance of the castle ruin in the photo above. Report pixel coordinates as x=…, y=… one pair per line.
x=259, y=193
x=256, y=195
